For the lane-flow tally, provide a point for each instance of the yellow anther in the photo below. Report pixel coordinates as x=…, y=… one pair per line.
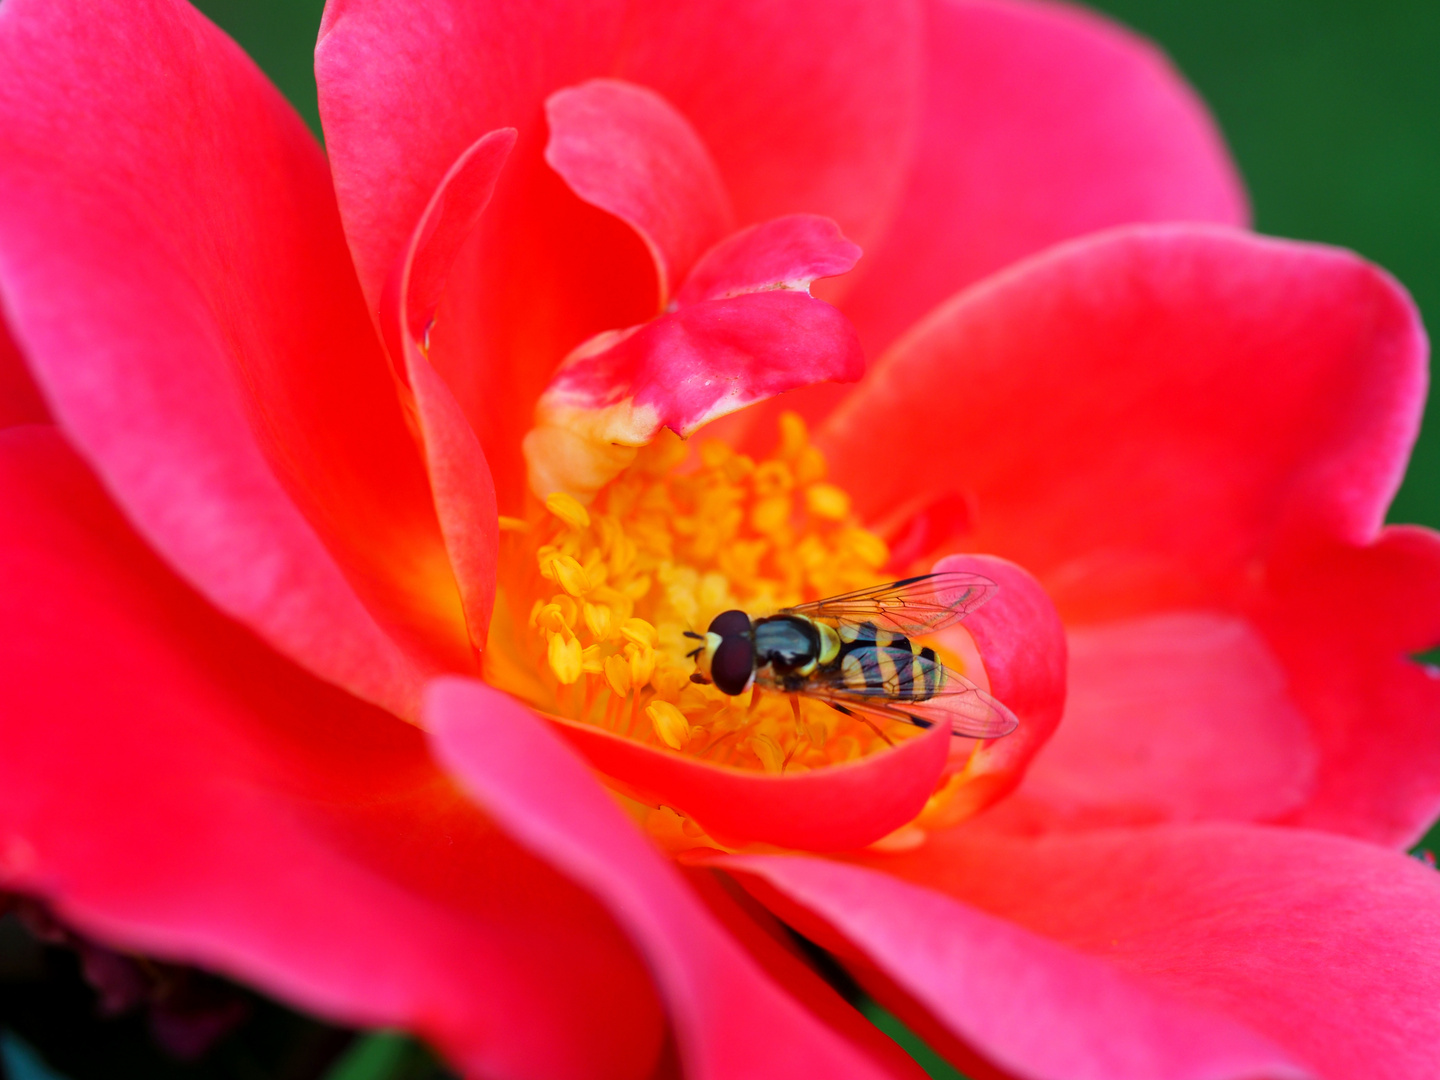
x=566, y=658
x=640, y=632
x=510, y=524
x=810, y=466
x=866, y=546
x=714, y=453
x=714, y=592
x=568, y=509
x=597, y=620
x=642, y=664
x=569, y=575
x=793, y=436
x=637, y=587
x=769, y=753
x=773, y=478
x=817, y=733
x=738, y=468
x=770, y=515
x=669, y=723
x=550, y=619
x=590, y=660
x=569, y=610
x=617, y=674
x=827, y=501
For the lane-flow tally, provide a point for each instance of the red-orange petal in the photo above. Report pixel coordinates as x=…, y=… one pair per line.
x=838, y=808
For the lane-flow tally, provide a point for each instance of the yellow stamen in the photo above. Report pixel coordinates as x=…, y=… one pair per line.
x=827, y=501
x=669, y=723
x=566, y=658
x=602, y=595
x=568, y=509
x=617, y=674
x=569, y=575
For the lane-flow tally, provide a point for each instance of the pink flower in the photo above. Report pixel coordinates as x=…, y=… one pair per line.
x=269, y=488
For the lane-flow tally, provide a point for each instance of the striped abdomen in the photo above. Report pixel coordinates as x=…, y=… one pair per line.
x=880, y=662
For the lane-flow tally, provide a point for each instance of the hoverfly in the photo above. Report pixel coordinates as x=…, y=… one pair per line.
x=854, y=653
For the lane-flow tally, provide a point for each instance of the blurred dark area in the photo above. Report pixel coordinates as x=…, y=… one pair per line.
x=88, y=1012
x=71, y=1009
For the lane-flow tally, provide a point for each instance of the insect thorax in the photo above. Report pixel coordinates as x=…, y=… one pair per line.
x=786, y=643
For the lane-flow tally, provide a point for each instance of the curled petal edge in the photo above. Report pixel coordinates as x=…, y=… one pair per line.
x=840, y=808
x=625, y=149
x=460, y=480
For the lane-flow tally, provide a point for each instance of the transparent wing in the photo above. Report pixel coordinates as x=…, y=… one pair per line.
x=970, y=711
x=917, y=605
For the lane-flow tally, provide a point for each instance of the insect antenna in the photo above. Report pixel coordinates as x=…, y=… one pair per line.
x=692, y=634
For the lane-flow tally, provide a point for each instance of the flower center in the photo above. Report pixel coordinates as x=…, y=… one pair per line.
x=595, y=601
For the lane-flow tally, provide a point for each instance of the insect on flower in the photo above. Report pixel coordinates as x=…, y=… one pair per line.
x=853, y=652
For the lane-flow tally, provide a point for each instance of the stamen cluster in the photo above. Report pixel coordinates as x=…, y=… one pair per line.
x=596, y=600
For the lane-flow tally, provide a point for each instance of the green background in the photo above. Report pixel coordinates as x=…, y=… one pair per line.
x=1332, y=108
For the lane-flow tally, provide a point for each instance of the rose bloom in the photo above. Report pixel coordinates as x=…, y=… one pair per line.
x=349, y=546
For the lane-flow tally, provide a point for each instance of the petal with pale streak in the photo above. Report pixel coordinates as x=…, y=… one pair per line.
x=787, y=252
x=681, y=371
x=460, y=479
x=176, y=278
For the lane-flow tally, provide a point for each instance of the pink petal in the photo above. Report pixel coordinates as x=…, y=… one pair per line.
x=1181, y=716
x=784, y=253
x=774, y=948
x=460, y=477
x=834, y=809
x=419, y=280
x=715, y=357
x=1042, y=122
x=729, y=1018
x=1164, y=421
x=804, y=108
x=176, y=277
x=174, y=787
x=994, y=995
x=1022, y=645
x=1344, y=621
x=1319, y=943
x=625, y=149
x=20, y=401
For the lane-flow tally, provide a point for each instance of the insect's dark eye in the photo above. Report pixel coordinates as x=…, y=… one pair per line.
x=732, y=664
x=729, y=623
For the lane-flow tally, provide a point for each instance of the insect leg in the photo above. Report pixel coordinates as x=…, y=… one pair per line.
x=863, y=719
